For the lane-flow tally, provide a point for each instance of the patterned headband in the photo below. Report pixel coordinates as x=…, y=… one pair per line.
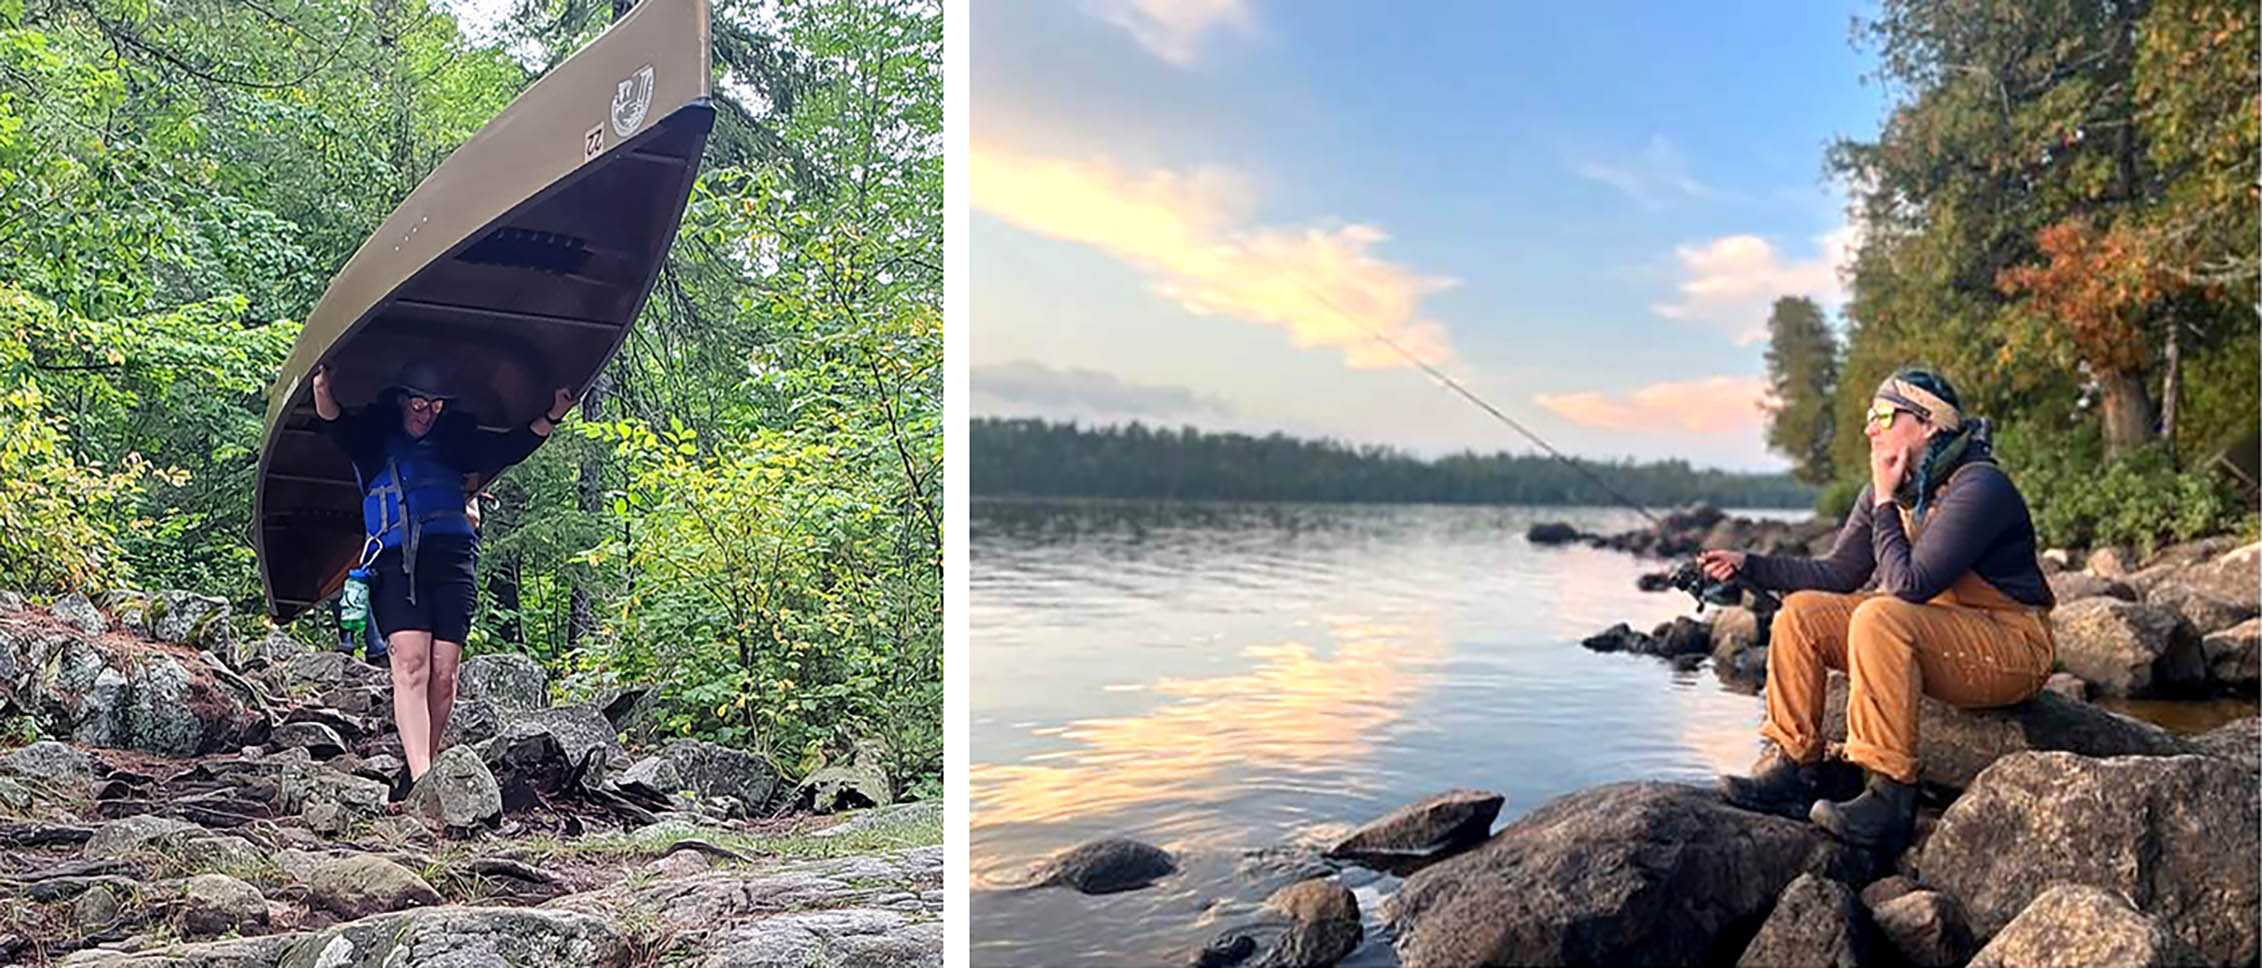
x=1942, y=414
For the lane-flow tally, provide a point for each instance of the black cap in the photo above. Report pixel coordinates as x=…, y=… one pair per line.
x=422, y=379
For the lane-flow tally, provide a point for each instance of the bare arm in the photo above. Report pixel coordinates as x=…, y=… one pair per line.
x=325, y=405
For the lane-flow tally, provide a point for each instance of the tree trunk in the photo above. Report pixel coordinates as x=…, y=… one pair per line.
x=502, y=588
x=2170, y=386
x=581, y=618
x=2127, y=413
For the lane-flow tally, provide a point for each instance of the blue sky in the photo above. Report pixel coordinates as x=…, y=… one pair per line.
x=1197, y=211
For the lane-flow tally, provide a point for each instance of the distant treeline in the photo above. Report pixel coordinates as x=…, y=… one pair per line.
x=1030, y=457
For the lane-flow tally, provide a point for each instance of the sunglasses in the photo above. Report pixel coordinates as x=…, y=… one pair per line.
x=424, y=404
x=1882, y=414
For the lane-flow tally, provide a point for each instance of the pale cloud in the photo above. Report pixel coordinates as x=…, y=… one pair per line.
x=1173, y=29
x=1715, y=405
x=1654, y=176
x=1185, y=230
x=1026, y=384
x=1732, y=281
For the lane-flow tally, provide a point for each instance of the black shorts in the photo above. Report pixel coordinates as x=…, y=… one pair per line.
x=447, y=589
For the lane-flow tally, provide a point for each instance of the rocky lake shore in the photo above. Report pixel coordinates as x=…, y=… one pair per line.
x=2058, y=831
x=174, y=795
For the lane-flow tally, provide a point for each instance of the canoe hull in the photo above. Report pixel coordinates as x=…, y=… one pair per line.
x=517, y=267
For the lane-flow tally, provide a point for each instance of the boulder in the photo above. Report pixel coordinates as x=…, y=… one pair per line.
x=1323, y=925
x=2204, y=610
x=186, y=618
x=1446, y=821
x=471, y=721
x=2234, y=656
x=48, y=760
x=714, y=771
x=80, y=613
x=2068, y=685
x=1617, y=638
x=1954, y=745
x=582, y=734
x=856, y=786
x=365, y=884
x=299, y=785
x=2111, y=561
x=2176, y=835
x=149, y=700
x=2126, y=649
x=1681, y=636
x=1885, y=889
x=95, y=909
x=652, y=773
x=119, y=838
x=2072, y=586
x=319, y=741
x=458, y=794
x=528, y=767
x=1231, y=949
x=220, y=853
x=2239, y=741
x=217, y=904
x=11, y=602
x=2235, y=575
x=1107, y=867
x=513, y=683
x=464, y=937
x=2078, y=926
x=1815, y=922
x=1627, y=873
x=1927, y=927
x=1551, y=533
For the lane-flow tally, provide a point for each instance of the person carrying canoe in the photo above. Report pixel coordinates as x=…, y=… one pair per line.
x=412, y=454
x=1961, y=613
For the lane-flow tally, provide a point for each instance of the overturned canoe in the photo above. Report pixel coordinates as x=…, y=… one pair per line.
x=517, y=266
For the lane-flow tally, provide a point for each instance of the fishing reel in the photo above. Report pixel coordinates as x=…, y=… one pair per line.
x=1734, y=591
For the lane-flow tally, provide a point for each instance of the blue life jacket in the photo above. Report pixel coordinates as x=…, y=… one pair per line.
x=413, y=496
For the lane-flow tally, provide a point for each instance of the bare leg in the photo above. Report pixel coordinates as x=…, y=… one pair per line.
x=442, y=696
x=412, y=682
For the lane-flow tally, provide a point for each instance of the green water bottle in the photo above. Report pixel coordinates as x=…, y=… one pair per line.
x=353, y=603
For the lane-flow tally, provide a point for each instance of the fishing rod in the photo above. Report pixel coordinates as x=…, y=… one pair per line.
x=1471, y=396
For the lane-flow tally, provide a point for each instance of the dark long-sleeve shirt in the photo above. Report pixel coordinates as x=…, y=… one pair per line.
x=1978, y=523
x=461, y=443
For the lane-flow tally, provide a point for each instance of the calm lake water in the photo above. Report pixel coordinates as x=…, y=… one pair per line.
x=1219, y=678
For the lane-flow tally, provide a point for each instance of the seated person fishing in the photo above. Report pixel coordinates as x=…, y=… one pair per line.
x=412, y=455
x=1961, y=613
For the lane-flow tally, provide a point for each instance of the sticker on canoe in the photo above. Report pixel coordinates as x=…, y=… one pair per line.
x=593, y=142
x=630, y=100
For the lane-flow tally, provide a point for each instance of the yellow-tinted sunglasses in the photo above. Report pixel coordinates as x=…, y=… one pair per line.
x=1881, y=414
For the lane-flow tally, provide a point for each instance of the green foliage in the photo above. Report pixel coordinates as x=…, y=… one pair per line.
x=1037, y=458
x=2061, y=193
x=178, y=182
x=58, y=526
x=1802, y=372
x=1836, y=499
x=2079, y=499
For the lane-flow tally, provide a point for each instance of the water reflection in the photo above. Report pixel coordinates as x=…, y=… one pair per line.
x=1297, y=709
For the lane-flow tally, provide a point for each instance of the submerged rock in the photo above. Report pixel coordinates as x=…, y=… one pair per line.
x=1107, y=866
x=1456, y=818
x=1323, y=925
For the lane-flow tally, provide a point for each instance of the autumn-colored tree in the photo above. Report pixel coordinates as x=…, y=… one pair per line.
x=2095, y=290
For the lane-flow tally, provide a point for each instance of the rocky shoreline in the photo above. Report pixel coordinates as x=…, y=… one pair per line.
x=2052, y=832
x=187, y=798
